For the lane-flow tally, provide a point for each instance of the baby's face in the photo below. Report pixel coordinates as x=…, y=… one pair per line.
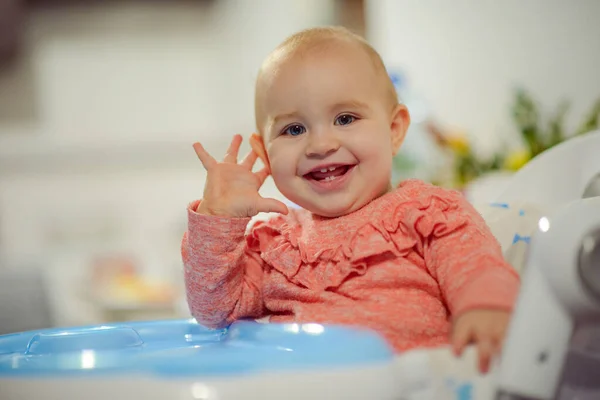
x=328, y=130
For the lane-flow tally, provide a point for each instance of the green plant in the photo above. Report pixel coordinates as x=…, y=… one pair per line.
x=537, y=133
x=538, y=136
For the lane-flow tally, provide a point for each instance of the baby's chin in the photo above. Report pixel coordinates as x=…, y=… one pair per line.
x=329, y=208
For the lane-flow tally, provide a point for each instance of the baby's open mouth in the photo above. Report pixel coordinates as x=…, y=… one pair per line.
x=328, y=173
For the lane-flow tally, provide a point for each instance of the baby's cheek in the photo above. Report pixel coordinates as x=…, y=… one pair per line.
x=381, y=162
x=281, y=169
x=283, y=174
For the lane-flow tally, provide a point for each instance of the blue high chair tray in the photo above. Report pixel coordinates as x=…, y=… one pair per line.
x=183, y=348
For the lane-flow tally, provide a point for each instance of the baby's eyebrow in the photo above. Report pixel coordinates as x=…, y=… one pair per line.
x=353, y=104
x=280, y=117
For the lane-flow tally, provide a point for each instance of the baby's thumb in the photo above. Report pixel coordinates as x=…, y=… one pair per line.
x=271, y=205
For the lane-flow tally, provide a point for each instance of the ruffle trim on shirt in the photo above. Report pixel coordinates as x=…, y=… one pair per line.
x=396, y=224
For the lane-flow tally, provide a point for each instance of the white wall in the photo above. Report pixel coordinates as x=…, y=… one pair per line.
x=120, y=92
x=466, y=56
x=164, y=71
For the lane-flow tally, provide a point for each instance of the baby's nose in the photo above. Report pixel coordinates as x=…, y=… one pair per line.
x=322, y=144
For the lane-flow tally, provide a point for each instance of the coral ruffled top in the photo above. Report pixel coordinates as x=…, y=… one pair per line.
x=404, y=265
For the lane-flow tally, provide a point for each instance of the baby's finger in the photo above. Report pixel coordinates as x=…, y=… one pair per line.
x=461, y=337
x=206, y=159
x=485, y=351
x=262, y=175
x=498, y=345
x=250, y=160
x=497, y=337
x=501, y=335
x=271, y=205
x=233, y=150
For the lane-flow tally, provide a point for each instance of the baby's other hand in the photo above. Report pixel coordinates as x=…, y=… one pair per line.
x=484, y=328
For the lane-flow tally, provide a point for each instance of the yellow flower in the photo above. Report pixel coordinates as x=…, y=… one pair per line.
x=516, y=160
x=459, y=144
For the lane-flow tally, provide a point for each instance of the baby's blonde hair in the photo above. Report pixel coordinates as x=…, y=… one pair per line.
x=320, y=39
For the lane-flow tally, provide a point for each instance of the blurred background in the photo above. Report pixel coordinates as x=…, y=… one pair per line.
x=101, y=100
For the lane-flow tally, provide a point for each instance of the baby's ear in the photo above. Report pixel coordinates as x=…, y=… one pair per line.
x=258, y=145
x=399, y=126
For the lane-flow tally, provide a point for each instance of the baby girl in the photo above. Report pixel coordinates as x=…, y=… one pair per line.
x=416, y=263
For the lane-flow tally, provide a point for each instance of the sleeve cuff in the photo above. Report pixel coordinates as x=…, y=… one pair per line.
x=495, y=289
x=201, y=226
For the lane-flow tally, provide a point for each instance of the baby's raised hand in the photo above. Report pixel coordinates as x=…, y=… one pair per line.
x=231, y=188
x=484, y=328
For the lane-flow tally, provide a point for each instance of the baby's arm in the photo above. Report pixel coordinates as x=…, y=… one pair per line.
x=223, y=278
x=467, y=261
x=479, y=286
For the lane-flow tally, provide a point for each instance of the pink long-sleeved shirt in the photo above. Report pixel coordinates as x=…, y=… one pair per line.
x=403, y=265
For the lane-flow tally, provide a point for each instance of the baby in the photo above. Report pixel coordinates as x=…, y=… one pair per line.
x=416, y=263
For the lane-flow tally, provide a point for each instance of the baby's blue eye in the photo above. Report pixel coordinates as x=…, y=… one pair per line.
x=345, y=119
x=294, y=130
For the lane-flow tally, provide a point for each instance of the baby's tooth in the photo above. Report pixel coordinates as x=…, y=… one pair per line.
x=324, y=170
x=331, y=168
